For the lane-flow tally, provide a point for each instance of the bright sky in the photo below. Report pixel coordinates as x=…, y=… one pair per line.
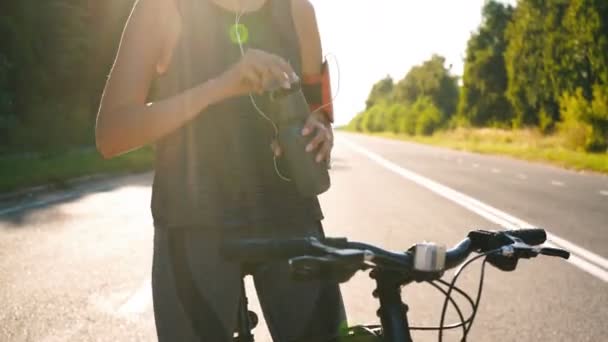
x=373, y=38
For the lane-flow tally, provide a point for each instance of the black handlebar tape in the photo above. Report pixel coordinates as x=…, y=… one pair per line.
x=336, y=242
x=532, y=237
x=337, y=268
x=252, y=250
x=555, y=252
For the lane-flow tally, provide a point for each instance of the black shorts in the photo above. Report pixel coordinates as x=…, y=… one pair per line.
x=196, y=293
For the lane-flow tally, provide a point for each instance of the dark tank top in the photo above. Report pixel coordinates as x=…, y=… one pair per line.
x=218, y=169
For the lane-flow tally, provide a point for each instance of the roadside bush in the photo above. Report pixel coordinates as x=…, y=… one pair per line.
x=396, y=114
x=584, y=124
x=428, y=116
x=407, y=123
x=374, y=119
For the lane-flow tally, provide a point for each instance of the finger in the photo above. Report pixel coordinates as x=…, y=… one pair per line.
x=317, y=140
x=324, y=152
x=309, y=126
x=280, y=76
x=276, y=76
x=268, y=81
x=263, y=68
x=287, y=70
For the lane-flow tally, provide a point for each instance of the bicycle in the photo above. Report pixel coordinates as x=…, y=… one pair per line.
x=340, y=259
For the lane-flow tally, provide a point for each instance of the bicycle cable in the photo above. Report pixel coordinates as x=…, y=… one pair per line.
x=478, y=299
x=456, y=307
x=452, y=285
x=450, y=326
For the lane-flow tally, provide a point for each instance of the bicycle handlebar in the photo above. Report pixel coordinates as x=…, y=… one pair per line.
x=334, y=253
x=259, y=250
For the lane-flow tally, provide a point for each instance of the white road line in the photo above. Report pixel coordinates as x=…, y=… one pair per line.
x=557, y=183
x=586, y=260
x=604, y=192
x=139, y=301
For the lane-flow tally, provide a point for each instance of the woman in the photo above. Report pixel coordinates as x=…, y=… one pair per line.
x=181, y=81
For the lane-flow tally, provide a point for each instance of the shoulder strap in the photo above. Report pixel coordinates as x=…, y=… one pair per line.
x=283, y=20
x=197, y=36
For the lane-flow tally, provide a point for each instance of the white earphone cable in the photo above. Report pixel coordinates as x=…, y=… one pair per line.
x=274, y=126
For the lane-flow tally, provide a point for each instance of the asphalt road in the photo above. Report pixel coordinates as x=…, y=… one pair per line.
x=75, y=264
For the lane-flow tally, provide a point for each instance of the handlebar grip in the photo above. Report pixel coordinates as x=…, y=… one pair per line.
x=338, y=268
x=530, y=236
x=257, y=250
x=555, y=252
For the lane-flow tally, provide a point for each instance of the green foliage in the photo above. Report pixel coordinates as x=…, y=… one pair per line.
x=54, y=59
x=431, y=79
x=482, y=98
x=381, y=91
x=407, y=123
x=541, y=65
x=420, y=103
x=428, y=116
x=554, y=47
x=396, y=114
x=584, y=123
x=527, y=87
x=545, y=121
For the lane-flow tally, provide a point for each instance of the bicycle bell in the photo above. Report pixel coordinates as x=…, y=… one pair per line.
x=429, y=257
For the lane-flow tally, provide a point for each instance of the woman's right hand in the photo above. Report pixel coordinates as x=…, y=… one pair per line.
x=256, y=71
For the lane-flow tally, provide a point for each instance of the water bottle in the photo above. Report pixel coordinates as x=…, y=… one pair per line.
x=289, y=110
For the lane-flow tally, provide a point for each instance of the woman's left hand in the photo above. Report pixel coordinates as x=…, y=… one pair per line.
x=323, y=141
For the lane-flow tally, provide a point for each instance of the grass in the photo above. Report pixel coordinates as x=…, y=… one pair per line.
x=522, y=144
x=21, y=171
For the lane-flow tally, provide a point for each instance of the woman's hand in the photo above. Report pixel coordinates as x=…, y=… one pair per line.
x=323, y=141
x=256, y=71
x=321, y=144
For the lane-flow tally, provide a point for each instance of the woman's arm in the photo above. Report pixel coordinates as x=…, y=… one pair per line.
x=305, y=22
x=126, y=122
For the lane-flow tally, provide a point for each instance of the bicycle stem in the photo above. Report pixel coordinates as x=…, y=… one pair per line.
x=392, y=311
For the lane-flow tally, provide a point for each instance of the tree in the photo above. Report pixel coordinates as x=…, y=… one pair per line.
x=54, y=59
x=482, y=98
x=536, y=42
x=584, y=62
x=431, y=79
x=381, y=91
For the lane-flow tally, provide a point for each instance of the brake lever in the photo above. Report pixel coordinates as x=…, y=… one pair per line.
x=519, y=250
x=555, y=252
x=508, y=255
